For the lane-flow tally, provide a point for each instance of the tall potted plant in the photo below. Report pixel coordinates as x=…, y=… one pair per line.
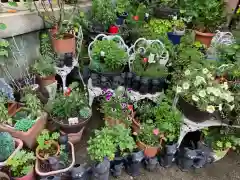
x=206, y=17
x=201, y=96
x=21, y=165
x=63, y=38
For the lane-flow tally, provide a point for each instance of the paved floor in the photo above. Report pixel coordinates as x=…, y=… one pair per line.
x=225, y=169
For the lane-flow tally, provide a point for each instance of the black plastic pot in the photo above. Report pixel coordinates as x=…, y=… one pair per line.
x=105, y=82
x=79, y=172
x=168, y=155
x=96, y=81
x=134, y=164
x=118, y=81
x=151, y=164
x=117, y=166
x=121, y=18
x=68, y=59
x=51, y=178
x=101, y=170
x=63, y=140
x=193, y=113
x=186, y=159
x=136, y=83
x=144, y=85
x=129, y=79
x=165, y=12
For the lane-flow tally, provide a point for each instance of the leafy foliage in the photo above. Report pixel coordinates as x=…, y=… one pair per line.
x=45, y=46
x=7, y=145
x=103, y=12
x=4, y=44
x=4, y=117
x=168, y=121
x=107, y=141
x=44, y=137
x=67, y=106
x=205, y=16
x=122, y=6
x=24, y=124
x=114, y=59
x=229, y=54
x=21, y=163
x=44, y=67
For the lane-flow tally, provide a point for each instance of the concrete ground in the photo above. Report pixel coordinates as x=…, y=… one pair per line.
x=226, y=169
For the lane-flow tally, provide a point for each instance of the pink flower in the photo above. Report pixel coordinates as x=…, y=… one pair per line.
x=130, y=107
x=156, y=132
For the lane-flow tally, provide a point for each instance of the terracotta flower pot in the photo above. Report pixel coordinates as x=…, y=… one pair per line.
x=74, y=137
x=53, y=143
x=65, y=45
x=135, y=125
x=29, y=137
x=204, y=38
x=149, y=151
x=29, y=176
x=4, y=176
x=45, y=81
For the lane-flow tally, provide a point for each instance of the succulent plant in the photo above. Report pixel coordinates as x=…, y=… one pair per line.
x=24, y=124
x=7, y=145
x=85, y=112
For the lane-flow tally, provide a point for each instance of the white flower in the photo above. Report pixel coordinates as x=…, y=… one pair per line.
x=187, y=72
x=230, y=99
x=210, y=109
x=231, y=107
x=202, y=93
x=209, y=90
x=216, y=92
x=225, y=86
x=212, y=98
x=220, y=107
x=174, y=18
x=178, y=89
x=205, y=70
x=199, y=80
x=195, y=98
x=102, y=53
x=209, y=75
x=186, y=85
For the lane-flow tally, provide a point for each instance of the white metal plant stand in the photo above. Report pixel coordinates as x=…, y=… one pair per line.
x=140, y=46
x=65, y=70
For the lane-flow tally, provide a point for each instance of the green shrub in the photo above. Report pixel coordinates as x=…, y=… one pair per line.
x=7, y=145
x=24, y=124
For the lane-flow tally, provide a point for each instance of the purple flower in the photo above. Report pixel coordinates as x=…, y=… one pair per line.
x=129, y=89
x=124, y=105
x=104, y=90
x=108, y=98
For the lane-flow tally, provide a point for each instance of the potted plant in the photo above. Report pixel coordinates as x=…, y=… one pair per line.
x=62, y=35
x=165, y=8
x=25, y=122
x=70, y=111
x=21, y=165
x=201, y=97
x=207, y=21
x=220, y=140
x=7, y=144
x=121, y=10
x=107, y=56
x=47, y=145
x=149, y=139
x=147, y=61
x=101, y=149
x=169, y=121
x=115, y=109
x=44, y=68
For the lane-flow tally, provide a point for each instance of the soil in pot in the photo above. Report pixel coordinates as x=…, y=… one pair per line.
x=52, y=151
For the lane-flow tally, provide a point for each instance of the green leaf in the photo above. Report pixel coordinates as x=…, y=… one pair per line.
x=12, y=3
x=3, y=26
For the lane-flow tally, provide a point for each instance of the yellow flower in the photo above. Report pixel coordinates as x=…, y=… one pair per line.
x=210, y=109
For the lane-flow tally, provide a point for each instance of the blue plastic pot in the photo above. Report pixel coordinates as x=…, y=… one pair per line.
x=176, y=39
x=121, y=18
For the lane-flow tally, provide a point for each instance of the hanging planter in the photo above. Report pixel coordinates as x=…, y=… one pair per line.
x=147, y=61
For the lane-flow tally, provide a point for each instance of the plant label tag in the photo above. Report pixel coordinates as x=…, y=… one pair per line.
x=151, y=58
x=73, y=120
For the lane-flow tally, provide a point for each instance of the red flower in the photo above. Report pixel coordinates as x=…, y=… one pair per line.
x=145, y=60
x=130, y=107
x=136, y=18
x=113, y=29
x=67, y=92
